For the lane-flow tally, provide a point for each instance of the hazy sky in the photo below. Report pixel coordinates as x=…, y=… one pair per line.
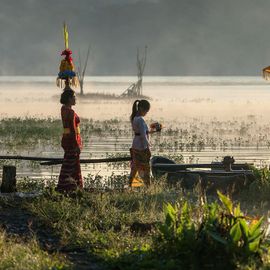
x=184, y=37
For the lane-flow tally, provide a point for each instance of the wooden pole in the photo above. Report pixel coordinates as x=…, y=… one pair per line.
x=98, y=160
x=52, y=161
x=8, y=179
x=29, y=158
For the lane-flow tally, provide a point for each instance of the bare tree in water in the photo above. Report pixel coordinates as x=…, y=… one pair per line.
x=135, y=89
x=81, y=70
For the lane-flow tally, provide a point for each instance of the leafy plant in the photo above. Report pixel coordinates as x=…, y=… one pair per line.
x=241, y=235
x=210, y=235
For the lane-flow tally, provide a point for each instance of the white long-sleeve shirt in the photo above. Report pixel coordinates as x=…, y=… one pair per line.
x=141, y=140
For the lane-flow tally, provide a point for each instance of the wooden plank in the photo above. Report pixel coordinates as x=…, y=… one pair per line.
x=29, y=158
x=176, y=167
x=98, y=160
x=207, y=172
x=53, y=161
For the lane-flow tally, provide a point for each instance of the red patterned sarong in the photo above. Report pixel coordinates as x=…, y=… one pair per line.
x=140, y=167
x=70, y=177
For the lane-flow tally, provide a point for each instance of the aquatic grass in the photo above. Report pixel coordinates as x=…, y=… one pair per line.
x=185, y=135
x=23, y=127
x=181, y=141
x=17, y=133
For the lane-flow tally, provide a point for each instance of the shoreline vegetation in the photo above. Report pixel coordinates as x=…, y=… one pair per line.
x=188, y=135
x=104, y=96
x=162, y=227
x=108, y=96
x=158, y=228
x=212, y=132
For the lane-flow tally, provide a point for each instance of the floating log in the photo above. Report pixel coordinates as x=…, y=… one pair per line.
x=29, y=158
x=54, y=161
x=8, y=179
x=97, y=160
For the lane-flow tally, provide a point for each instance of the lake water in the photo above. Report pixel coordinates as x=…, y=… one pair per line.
x=175, y=101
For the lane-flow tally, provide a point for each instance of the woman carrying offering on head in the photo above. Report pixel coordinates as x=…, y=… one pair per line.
x=140, y=150
x=70, y=177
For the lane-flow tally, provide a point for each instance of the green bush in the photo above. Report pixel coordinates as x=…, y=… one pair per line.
x=208, y=237
x=211, y=236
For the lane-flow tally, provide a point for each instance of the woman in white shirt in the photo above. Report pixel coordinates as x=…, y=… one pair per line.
x=140, y=150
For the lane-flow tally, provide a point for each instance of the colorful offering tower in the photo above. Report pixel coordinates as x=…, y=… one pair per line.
x=67, y=72
x=266, y=73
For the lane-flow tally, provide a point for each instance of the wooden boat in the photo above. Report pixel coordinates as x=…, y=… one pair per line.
x=226, y=176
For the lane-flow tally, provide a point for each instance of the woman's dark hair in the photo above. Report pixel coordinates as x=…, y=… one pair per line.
x=138, y=106
x=66, y=95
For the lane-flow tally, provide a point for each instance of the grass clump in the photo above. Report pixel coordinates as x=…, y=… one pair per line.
x=212, y=237
x=102, y=223
x=159, y=228
x=156, y=228
x=16, y=254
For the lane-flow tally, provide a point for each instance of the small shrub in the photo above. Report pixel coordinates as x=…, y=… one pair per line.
x=212, y=235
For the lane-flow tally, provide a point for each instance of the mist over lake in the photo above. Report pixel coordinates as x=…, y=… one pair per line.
x=228, y=108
